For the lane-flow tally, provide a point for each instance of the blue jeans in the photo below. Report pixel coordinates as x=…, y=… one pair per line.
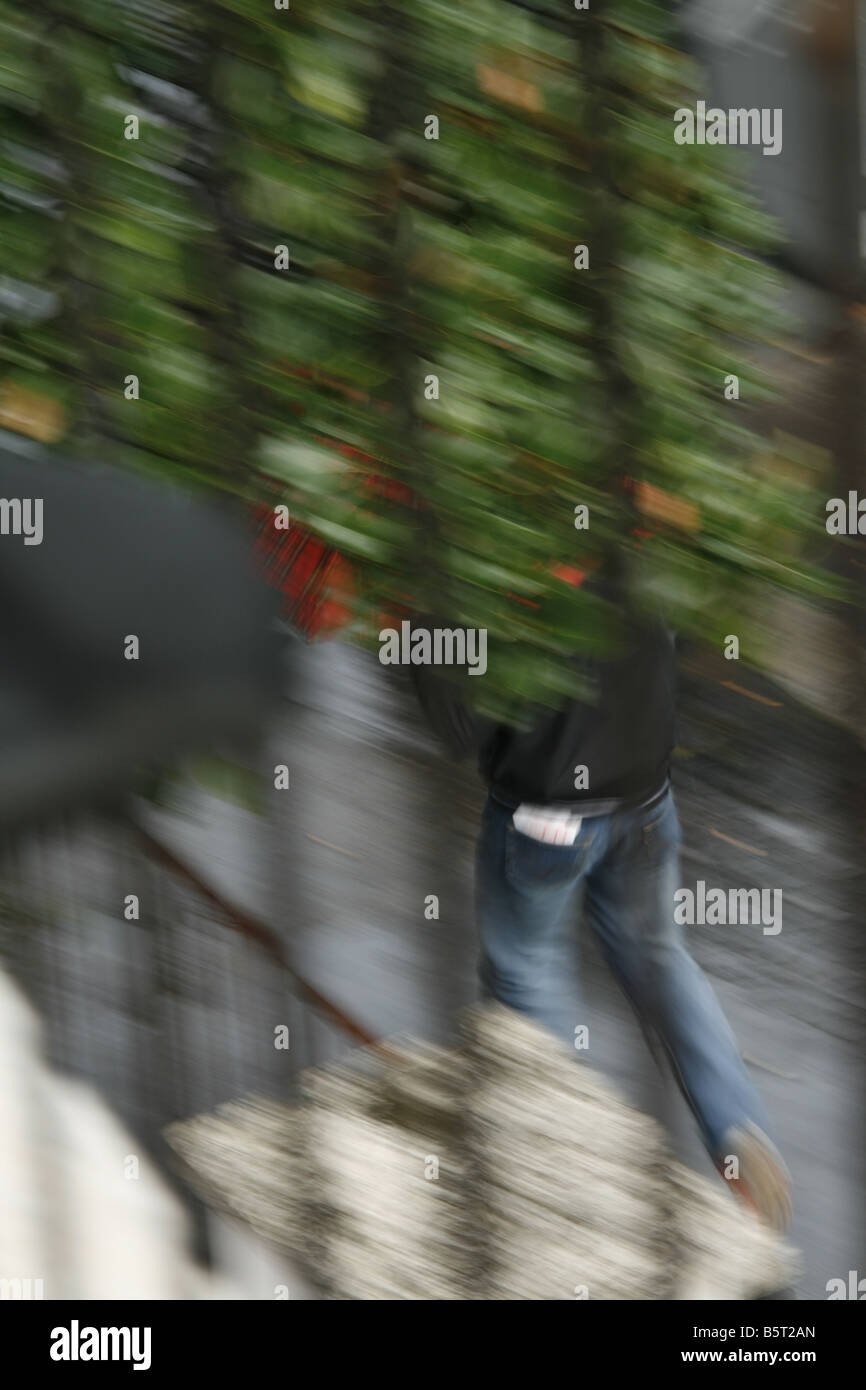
x=628, y=863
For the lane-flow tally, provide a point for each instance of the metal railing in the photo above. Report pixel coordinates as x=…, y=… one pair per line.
x=166, y=1014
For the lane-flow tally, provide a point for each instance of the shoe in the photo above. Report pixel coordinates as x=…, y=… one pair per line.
x=764, y=1182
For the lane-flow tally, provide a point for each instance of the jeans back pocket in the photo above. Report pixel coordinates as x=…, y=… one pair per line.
x=531, y=862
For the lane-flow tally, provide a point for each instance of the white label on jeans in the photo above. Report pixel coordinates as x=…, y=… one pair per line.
x=555, y=827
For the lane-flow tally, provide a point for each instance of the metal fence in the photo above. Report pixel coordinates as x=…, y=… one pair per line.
x=167, y=1011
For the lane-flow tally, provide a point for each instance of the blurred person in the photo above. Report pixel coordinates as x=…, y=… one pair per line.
x=619, y=839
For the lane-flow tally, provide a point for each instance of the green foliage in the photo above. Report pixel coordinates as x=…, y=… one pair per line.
x=409, y=258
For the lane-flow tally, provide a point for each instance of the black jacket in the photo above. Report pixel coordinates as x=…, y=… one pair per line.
x=623, y=735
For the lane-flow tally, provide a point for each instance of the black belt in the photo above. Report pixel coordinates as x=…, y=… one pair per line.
x=606, y=807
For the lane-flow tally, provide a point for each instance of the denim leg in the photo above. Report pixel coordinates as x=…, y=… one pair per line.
x=527, y=918
x=630, y=904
